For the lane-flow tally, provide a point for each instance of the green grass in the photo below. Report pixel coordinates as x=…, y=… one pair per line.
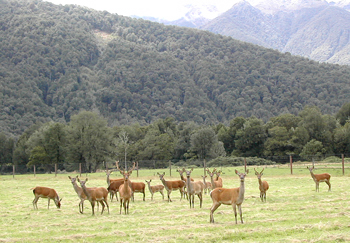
x=294, y=212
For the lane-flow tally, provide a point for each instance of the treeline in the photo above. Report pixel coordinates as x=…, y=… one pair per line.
x=89, y=141
x=56, y=61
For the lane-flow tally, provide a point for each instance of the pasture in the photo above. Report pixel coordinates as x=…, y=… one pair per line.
x=294, y=211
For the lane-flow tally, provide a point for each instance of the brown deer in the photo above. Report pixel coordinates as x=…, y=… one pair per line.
x=214, y=183
x=207, y=185
x=79, y=192
x=113, y=188
x=184, y=179
x=233, y=196
x=263, y=185
x=138, y=187
x=109, y=181
x=194, y=188
x=325, y=177
x=218, y=178
x=45, y=192
x=154, y=189
x=95, y=194
x=172, y=186
x=125, y=191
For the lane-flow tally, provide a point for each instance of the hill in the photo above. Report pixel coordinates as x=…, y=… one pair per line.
x=58, y=60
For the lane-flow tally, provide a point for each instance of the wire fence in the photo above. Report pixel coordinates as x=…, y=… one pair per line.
x=79, y=168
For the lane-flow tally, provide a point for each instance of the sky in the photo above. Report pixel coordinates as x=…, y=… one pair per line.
x=165, y=9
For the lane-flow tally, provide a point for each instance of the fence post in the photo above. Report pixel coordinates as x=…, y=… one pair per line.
x=34, y=170
x=55, y=170
x=245, y=165
x=80, y=169
x=342, y=163
x=170, y=167
x=13, y=171
x=205, y=166
x=291, y=164
x=137, y=167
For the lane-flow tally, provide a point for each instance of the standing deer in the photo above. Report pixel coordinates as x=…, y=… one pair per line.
x=125, y=191
x=194, y=188
x=154, y=189
x=95, y=194
x=138, y=187
x=233, y=196
x=218, y=178
x=214, y=184
x=45, y=192
x=109, y=181
x=263, y=185
x=325, y=177
x=185, y=180
x=207, y=185
x=172, y=186
x=113, y=188
x=79, y=192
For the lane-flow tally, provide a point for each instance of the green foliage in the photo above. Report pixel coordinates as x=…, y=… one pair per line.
x=238, y=161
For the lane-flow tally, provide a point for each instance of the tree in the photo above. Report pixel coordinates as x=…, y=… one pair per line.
x=312, y=149
x=205, y=144
x=89, y=141
x=343, y=115
x=342, y=139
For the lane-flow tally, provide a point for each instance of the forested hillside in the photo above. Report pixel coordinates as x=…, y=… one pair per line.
x=58, y=60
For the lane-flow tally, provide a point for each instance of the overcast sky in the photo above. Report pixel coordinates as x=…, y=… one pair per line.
x=170, y=10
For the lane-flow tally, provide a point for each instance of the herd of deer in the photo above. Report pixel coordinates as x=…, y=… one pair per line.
x=186, y=185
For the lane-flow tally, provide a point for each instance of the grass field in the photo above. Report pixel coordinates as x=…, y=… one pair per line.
x=294, y=212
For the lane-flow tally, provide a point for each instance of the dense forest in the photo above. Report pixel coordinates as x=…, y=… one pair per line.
x=56, y=61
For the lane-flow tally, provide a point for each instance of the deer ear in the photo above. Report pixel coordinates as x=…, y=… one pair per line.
x=247, y=171
x=69, y=177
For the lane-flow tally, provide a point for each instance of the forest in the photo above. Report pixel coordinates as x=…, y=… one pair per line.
x=89, y=141
x=56, y=61
x=85, y=86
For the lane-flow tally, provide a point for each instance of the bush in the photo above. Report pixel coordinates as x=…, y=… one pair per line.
x=238, y=161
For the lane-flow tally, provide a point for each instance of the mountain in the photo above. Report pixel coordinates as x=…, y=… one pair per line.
x=56, y=61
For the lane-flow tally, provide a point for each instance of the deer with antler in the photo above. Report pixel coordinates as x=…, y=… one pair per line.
x=233, y=196
x=325, y=177
x=263, y=185
x=125, y=191
x=172, y=186
x=95, y=194
x=194, y=188
x=45, y=192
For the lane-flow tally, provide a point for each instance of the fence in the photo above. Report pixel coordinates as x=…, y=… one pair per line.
x=145, y=164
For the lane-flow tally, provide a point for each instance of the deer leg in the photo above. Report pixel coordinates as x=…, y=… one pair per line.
x=161, y=192
x=169, y=200
x=329, y=185
x=48, y=203
x=144, y=195
x=35, y=202
x=240, y=212
x=234, y=211
x=127, y=206
x=93, y=207
x=200, y=199
x=212, y=210
x=121, y=203
x=103, y=206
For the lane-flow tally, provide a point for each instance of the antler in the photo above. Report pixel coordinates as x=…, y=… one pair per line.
x=132, y=168
x=117, y=164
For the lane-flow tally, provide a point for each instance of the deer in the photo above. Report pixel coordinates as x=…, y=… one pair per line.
x=207, y=185
x=113, y=188
x=172, y=186
x=79, y=192
x=263, y=185
x=214, y=184
x=184, y=179
x=95, y=194
x=154, y=189
x=325, y=177
x=45, y=192
x=137, y=187
x=109, y=181
x=194, y=188
x=125, y=191
x=226, y=196
x=218, y=179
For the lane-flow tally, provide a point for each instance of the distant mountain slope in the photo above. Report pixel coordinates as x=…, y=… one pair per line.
x=58, y=60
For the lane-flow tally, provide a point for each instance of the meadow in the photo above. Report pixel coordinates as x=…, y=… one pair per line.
x=294, y=211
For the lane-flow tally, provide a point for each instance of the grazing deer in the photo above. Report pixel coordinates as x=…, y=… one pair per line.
x=80, y=193
x=194, y=188
x=172, y=186
x=138, y=187
x=125, y=191
x=95, y=194
x=214, y=184
x=109, y=181
x=113, y=188
x=154, y=189
x=233, y=196
x=325, y=177
x=263, y=185
x=207, y=185
x=48, y=193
